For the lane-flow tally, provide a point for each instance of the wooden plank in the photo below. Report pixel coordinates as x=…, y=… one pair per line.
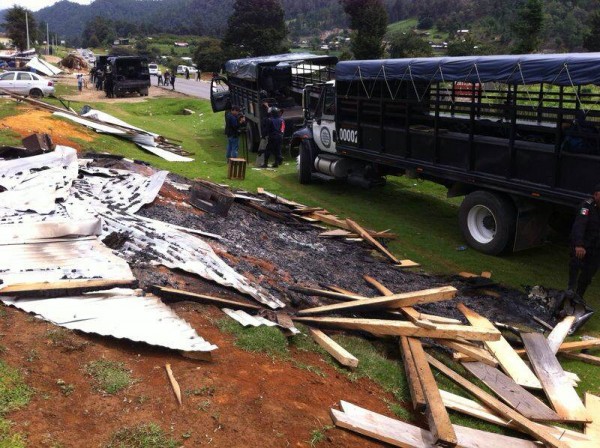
x=341, y=290
x=476, y=353
x=365, y=235
x=325, y=293
x=412, y=377
x=414, y=315
x=63, y=287
x=437, y=417
x=174, y=384
x=474, y=409
x=341, y=233
x=583, y=357
x=511, y=363
x=574, y=346
x=500, y=408
x=592, y=429
x=167, y=293
x=560, y=332
x=405, y=435
x=387, y=302
x=557, y=386
x=402, y=328
x=344, y=357
x=511, y=393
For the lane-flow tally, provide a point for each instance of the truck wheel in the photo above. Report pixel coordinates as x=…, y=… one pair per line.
x=252, y=137
x=144, y=92
x=305, y=162
x=488, y=221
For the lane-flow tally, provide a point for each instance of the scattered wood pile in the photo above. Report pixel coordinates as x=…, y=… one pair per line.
x=511, y=374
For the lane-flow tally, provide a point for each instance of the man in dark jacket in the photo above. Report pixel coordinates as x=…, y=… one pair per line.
x=275, y=130
x=585, y=245
x=233, y=122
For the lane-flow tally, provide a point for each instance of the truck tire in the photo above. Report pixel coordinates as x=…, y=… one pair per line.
x=252, y=137
x=488, y=221
x=305, y=162
x=143, y=92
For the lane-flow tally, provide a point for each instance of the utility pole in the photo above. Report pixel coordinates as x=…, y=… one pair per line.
x=47, y=40
x=27, y=28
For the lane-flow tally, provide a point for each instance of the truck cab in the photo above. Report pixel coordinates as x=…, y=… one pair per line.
x=130, y=75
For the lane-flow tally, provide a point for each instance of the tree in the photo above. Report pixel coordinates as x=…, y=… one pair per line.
x=462, y=47
x=592, y=40
x=256, y=28
x=409, y=45
x=209, y=56
x=528, y=26
x=16, y=26
x=102, y=28
x=368, y=19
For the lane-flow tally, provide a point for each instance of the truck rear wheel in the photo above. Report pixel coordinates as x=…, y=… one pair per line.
x=305, y=162
x=252, y=139
x=488, y=221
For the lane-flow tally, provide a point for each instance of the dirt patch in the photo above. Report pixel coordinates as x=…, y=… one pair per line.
x=39, y=121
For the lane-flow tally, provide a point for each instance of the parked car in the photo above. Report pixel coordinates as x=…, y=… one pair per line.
x=154, y=69
x=26, y=83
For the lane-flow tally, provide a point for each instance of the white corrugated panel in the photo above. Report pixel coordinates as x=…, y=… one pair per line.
x=119, y=313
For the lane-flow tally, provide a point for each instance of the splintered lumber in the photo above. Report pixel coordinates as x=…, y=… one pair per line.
x=341, y=233
x=412, y=377
x=344, y=357
x=474, y=409
x=500, y=408
x=510, y=361
x=511, y=393
x=279, y=199
x=388, y=302
x=555, y=383
x=592, y=429
x=340, y=290
x=583, y=357
x=367, y=237
x=405, y=435
x=559, y=333
x=437, y=417
x=475, y=353
x=325, y=293
x=402, y=328
x=193, y=297
x=174, y=384
x=415, y=316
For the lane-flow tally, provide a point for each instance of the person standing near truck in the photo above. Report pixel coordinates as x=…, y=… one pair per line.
x=275, y=131
x=233, y=122
x=585, y=245
x=173, y=75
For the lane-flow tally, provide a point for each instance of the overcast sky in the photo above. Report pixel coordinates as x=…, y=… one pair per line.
x=34, y=5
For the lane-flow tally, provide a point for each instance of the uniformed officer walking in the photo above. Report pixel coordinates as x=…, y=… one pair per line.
x=585, y=245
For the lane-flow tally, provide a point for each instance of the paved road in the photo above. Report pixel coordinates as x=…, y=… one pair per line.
x=199, y=89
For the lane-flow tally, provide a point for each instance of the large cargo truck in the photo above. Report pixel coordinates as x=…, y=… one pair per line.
x=256, y=84
x=130, y=75
x=517, y=136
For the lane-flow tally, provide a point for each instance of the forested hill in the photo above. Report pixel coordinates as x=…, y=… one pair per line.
x=566, y=20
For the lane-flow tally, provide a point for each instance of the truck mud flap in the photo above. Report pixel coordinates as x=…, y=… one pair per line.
x=532, y=226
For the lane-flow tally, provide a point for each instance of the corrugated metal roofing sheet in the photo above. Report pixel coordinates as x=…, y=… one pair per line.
x=119, y=313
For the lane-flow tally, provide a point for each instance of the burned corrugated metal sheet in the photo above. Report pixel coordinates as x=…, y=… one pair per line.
x=119, y=313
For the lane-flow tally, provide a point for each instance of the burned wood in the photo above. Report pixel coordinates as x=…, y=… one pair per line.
x=211, y=197
x=324, y=293
x=176, y=294
x=63, y=288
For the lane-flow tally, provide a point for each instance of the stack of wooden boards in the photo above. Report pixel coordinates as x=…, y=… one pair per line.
x=346, y=228
x=517, y=378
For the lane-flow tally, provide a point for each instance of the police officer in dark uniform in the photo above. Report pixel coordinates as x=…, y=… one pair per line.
x=275, y=129
x=109, y=81
x=585, y=245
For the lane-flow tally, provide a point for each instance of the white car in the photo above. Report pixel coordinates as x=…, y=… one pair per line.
x=26, y=83
x=181, y=69
x=154, y=70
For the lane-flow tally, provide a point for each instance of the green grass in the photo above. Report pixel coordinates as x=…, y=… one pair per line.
x=318, y=435
x=143, y=436
x=402, y=26
x=263, y=339
x=14, y=394
x=109, y=376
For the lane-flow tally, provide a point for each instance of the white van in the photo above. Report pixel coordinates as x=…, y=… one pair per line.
x=154, y=70
x=181, y=69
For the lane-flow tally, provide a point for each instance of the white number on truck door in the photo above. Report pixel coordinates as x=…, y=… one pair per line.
x=349, y=136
